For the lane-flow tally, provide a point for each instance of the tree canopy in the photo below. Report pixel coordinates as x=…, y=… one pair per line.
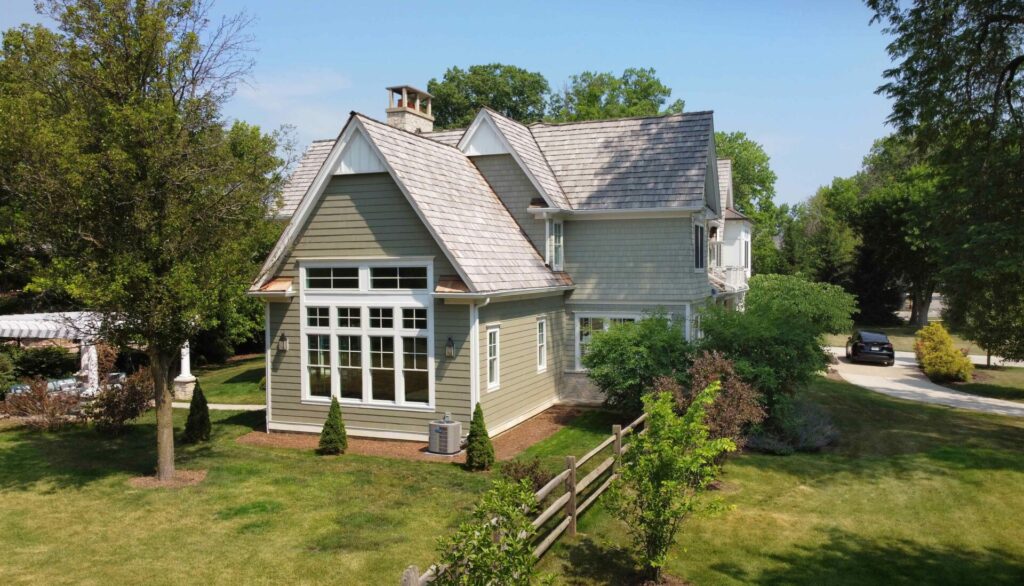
x=511, y=91
x=602, y=95
x=151, y=204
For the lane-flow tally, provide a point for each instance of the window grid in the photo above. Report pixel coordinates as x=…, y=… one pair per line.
x=348, y=317
x=332, y=278
x=398, y=277
x=382, y=318
x=318, y=317
x=542, y=345
x=350, y=363
x=319, y=364
x=414, y=318
x=493, y=361
x=557, y=245
x=587, y=325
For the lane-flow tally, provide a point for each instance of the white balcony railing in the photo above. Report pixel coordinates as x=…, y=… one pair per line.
x=733, y=278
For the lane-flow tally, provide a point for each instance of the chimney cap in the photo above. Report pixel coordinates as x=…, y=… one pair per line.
x=398, y=89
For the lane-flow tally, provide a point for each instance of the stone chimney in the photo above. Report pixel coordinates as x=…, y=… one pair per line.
x=412, y=111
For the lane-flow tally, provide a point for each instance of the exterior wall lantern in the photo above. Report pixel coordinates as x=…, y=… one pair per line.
x=282, y=343
x=449, y=348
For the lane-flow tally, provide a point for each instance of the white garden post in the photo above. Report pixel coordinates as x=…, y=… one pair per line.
x=184, y=383
x=89, y=364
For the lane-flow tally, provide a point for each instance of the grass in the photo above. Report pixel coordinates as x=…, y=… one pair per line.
x=911, y=494
x=68, y=516
x=237, y=382
x=902, y=338
x=998, y=382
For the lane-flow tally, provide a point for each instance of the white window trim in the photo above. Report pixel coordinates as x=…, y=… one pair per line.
x=557, y=261
x=704, y=239
x=496, y=329
x=607, y=315
x=364, y=298
x=542, y=344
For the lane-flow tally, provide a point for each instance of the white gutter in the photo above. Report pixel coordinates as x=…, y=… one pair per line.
x=503, y=294
x=546, y=212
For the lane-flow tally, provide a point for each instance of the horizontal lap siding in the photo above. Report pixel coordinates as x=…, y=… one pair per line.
x=365, y=216
x=516, y=191
x=522, y=388
x=638, y=260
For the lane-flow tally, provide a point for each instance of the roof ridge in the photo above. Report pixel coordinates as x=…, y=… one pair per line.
x=402, y=130
x=606, y=120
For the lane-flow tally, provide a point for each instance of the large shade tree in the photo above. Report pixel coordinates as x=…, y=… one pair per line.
x=511, y=91
x=957, y=87
x=151, y=204
x=602, y=95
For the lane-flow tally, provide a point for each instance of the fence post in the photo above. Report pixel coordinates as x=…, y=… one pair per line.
x=617, y=432
x=411, y=576
x=570, y=488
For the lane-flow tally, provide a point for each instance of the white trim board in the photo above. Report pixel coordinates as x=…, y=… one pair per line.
x=353, y=431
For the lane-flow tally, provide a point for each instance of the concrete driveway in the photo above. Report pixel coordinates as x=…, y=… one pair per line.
x=904, y=380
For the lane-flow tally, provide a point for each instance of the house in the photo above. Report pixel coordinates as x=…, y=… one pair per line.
x=422, y=272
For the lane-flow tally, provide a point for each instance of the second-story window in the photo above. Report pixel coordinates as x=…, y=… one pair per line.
x=700, y=249
x=557, y=245
x=332, y=278
x=398, y=277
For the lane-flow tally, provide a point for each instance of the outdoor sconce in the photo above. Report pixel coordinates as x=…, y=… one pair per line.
x=449, y=349
x=282, y=343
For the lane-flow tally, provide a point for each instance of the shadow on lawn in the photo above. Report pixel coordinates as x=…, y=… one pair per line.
x=851, y=559
x=588, y=562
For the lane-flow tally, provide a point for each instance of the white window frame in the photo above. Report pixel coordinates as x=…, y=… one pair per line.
x=365, y=298
x=542, y=344
x=556, y=254
x=607, y=316
x=702, y=253
x=493, y=385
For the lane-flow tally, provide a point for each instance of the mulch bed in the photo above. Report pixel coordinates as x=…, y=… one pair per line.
x=506, y=446
x=182, y=478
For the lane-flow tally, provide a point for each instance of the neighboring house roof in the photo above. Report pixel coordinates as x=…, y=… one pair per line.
x=731, y=214
x=630, y=163
x=303, y=176
x=522, y=141
x=725, y=183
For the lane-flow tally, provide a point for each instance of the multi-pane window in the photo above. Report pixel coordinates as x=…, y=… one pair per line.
x=382, y=368
x=700, y=250
x=415, y=370
x=332, y=278
x=318, y=317
x=318, y=365
x=398, y=277
x=382, y=317
x=493, y=359
x=348, y=317
x=542, y=345
x=414, y=318
x=350, y=366
x=587, y=326
x=557, y=245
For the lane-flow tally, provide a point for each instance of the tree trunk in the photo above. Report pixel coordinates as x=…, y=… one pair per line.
x=159, y=366
x=988, y=359
x=922, y=303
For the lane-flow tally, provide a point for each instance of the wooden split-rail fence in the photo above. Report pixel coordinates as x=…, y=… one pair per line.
x=566, y=509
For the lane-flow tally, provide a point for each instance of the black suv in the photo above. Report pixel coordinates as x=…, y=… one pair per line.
x=865, y=346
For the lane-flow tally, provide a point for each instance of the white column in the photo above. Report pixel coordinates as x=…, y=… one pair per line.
x=186, y=367
x=90, y=364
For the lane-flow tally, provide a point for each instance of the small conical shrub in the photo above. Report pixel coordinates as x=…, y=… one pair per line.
x=197, y=426
x=479, y=451
x=333, y=439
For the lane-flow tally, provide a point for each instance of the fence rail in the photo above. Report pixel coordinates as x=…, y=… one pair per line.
x=568, y=503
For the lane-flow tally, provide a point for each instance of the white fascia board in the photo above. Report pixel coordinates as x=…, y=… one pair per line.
x=617, y=213
x=537, y=292
x=316, y=190
x=485, y=117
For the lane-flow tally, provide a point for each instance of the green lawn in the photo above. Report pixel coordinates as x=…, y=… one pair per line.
x=902, y=338
x=67, y=515
x=237, y=382
x=911, y=495
x=996, y=382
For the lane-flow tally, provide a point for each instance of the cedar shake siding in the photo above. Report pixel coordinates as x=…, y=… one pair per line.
x=522, y=391
x=643, y=261
x=516, y=191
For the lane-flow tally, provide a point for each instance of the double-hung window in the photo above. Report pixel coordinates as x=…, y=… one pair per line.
x=542, y=345
x=557, y=245
x=493, y=357
x=318, y=365
x=700, y=247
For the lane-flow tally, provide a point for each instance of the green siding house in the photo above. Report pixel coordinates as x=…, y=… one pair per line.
x=421, y=273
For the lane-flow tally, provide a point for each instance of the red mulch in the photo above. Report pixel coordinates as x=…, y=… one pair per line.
x=182, y=478
x=506, y=445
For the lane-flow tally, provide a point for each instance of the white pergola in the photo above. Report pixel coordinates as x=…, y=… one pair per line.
x=81, y=326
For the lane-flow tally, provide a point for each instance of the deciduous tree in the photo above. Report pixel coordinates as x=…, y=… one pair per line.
x=511, y=91
x=599, y=96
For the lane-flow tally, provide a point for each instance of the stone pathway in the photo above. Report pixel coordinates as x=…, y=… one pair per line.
x=904, y=380
x=222, y=406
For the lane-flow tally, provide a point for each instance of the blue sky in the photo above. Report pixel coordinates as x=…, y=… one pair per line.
x=797, y=76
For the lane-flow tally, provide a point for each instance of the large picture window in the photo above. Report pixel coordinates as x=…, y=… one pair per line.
x=368, y=347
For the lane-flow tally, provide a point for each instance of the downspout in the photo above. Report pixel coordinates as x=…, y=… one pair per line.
x=266, y=345
x=474, y=348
